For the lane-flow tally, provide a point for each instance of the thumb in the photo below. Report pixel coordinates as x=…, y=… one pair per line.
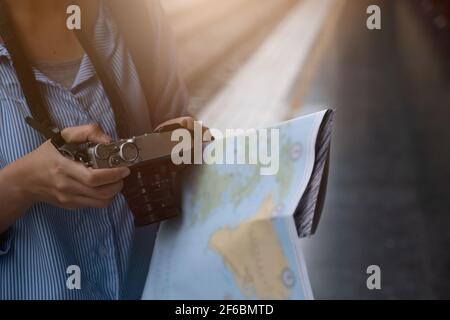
x=86, y=133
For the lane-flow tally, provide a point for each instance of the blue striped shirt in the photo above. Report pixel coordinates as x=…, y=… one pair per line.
x=38, y=249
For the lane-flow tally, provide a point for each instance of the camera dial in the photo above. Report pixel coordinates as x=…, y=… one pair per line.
x=129, y=152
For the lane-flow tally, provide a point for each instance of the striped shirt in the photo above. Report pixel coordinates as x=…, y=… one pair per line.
x=37, y=252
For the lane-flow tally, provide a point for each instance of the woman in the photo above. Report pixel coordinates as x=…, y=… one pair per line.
x=57, y=214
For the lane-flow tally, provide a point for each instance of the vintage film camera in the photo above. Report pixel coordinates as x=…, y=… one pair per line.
x=153, y=189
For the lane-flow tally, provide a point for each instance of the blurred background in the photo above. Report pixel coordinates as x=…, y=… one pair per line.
x=257, y=62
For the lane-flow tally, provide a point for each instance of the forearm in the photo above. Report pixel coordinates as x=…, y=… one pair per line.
x=13, y=195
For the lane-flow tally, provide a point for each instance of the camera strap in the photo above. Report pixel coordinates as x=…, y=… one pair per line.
x=40, y=119
x=109, y=85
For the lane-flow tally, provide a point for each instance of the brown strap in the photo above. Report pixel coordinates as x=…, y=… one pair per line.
x=109, y=85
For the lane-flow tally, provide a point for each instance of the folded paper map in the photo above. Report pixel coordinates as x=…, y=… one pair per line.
x=238, y=235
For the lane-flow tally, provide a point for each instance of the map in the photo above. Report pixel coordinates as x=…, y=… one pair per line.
x=236, y=238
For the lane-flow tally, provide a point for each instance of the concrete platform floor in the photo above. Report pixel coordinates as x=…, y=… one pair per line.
x=389, y=193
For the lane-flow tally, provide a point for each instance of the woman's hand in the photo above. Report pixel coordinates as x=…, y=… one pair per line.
x=44, y=175
x=50, y=177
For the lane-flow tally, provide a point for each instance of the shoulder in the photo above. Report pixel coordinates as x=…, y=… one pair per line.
x=146, y=14
x=89, y=11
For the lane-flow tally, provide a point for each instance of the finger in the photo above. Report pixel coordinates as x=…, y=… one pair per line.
x=86, y=133
x=103, y=177
x=80, y=202
x=73, y=187
x=207, y=135
x=107, y=191
x=96, y=177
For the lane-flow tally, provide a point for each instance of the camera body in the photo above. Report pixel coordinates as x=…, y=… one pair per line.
x=130, y=152
x=153, y=189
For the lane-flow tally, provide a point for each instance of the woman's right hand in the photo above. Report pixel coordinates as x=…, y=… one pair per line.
x=50, y=177
x=44, y=175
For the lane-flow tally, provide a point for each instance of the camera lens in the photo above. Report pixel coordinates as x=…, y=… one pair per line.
x=129, y=152
x=102, y=151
